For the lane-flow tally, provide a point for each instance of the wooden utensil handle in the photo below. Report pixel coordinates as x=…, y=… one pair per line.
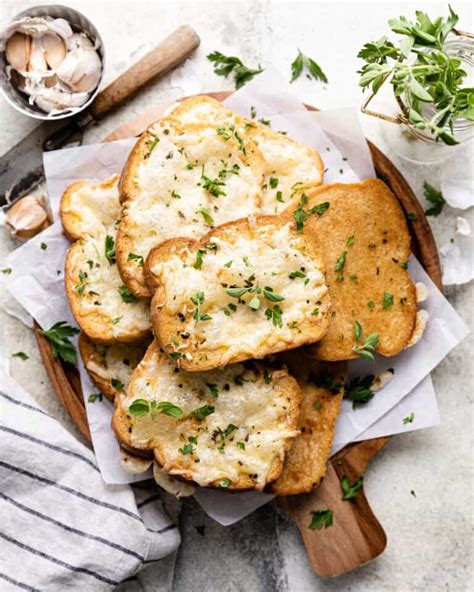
x=164, y=57
x=356, y=535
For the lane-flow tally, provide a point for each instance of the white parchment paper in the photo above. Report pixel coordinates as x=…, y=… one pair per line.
x=37, y=283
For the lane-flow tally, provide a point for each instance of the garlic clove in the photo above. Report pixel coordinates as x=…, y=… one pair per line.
x=18, y=51
x=27, y=216
x=81, y=69
x=53, y=99
x=54, y=50
x=79, y=40
x=50, y=81
x=37, y=62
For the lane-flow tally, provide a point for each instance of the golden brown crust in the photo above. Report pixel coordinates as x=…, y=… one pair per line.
x=284, y=386
x=95, y=363
x=369, y=212
x=306, y=460
x=166, y=327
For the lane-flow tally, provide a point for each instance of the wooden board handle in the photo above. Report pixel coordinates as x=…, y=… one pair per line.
x=356, y=536
x=168, y=54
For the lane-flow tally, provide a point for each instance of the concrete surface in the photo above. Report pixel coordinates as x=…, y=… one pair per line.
x=430, y=535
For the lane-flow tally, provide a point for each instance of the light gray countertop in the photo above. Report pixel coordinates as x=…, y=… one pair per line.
x=430, y=535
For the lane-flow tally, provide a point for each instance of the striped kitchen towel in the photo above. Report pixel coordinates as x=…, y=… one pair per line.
x=61, y=527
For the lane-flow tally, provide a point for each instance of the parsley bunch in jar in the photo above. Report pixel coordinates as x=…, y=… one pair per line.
x=427, y=70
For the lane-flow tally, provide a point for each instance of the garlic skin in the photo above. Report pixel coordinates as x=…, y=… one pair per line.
x=27, y=217
x=56, y=67
x=81, y=70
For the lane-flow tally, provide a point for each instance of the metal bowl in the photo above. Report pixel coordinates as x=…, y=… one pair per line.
x=79, y=23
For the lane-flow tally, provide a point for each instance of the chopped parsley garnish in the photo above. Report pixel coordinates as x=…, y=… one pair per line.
x=228, y=264
x=213, y=390
x=212, y=185
x=201, y=412
x=273, y=182
x=225, y=65
x=94, y=397
x=365, y=349
x=301, y=215
x=340, y=264
x=404, y=265
x=141, y=407
x=21, y=355
x=208, y=219
x=90, y=263
x=43, y=246
x=220, y=436
x=272, y=296
x=138, y=258
x=110, y=249
x=198, y=300
x=235, y=170
x=117, y=320
x=175, y=195
x=387, y=301
x=175, y=355
x=371, y=304
x=126, y=295
x=201, y=252
x=358, y=390
x=412, y=217
x=240, y=445
x=153, y=144
x=297, y=274
x=80, y=287
x=274, y=314
x=435, y=197
x=246, y=262
x=227, y=132
x=350, y=241
x=58, y=336
x=321, y=519
x=117, y=383
x=409, y=418
x=225, y=483
x=279, y=196
x=318, y=405
x=7, y=270
x=350, y=490
x=313, y=69
x=187, y=449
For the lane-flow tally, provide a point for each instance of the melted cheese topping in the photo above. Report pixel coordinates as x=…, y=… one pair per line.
x=261, y=419
x=273, y=258
x=192, y=180
x=98, y=291
x=116, y=361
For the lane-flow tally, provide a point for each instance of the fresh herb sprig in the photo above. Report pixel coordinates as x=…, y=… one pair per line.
x=313, y=70
x=225, y=65
x=58, y=336
x=420, y=69
x=434, y=197
x=365, y=349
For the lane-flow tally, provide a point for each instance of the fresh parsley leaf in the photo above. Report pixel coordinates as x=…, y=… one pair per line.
x=387, y=301
x=225, y=483
x=213, y=186
x=43, y=246
x=341, y=261
x=117, y=383
x=349, y=490
x=187, y=449
x=225, y=65
x=297, y=274
x=80, y=287
x=350, y=241
x=273, y=182
x=213, y=389
x=138, y=258
x=201, y=412
x=301, y=215
x=409, y=418
x=208, y=219
x=240, y=445
x=358, y=390
x=275, y=315
x=58, y=336
x=272, y=296
x=110, y=249
x=7, y=270
x=435, y=197
x=198, y=300
x=167, y=408
x=94, y=397
x=21, y=355
x=117, y=320
x=314, y=70
x=321, y=519
x=367, y=348
x=126, y=295
x=139, y=407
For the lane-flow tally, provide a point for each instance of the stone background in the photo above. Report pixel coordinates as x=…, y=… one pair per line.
x=430, y=535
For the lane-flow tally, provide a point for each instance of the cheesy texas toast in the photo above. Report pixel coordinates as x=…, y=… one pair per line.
x=228, y=428
x=247, y=289
x=100, y=302
x=365, y=245
x=111, y=366
x=322, y=387
x=199, y=167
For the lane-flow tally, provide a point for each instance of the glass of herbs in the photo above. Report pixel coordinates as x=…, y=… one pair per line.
x=430, y=71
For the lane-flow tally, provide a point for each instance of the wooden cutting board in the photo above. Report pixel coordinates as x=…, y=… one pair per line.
x=356, y=536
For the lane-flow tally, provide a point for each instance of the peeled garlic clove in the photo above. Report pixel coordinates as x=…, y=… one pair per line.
x=37, y=63
x=79, y=40
x=26, y=217
x=18, y=51
x=81, y=70
x=54, y=50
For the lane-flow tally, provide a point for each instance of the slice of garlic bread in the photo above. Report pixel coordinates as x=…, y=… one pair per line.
x=289, y=165
x=183, y=181
x=111, y=366
x=365, y=248
x=322, y=387
x=247, y=289
x=100, y=302
x=228, y=428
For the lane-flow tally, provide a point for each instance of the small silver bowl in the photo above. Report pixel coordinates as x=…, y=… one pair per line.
x=79, y=23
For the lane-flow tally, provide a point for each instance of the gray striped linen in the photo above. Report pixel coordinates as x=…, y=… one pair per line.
x=61, y=527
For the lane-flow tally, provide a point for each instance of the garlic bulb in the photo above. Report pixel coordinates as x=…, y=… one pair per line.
x=27, y=217
x=56, y=67
x=81, y=69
